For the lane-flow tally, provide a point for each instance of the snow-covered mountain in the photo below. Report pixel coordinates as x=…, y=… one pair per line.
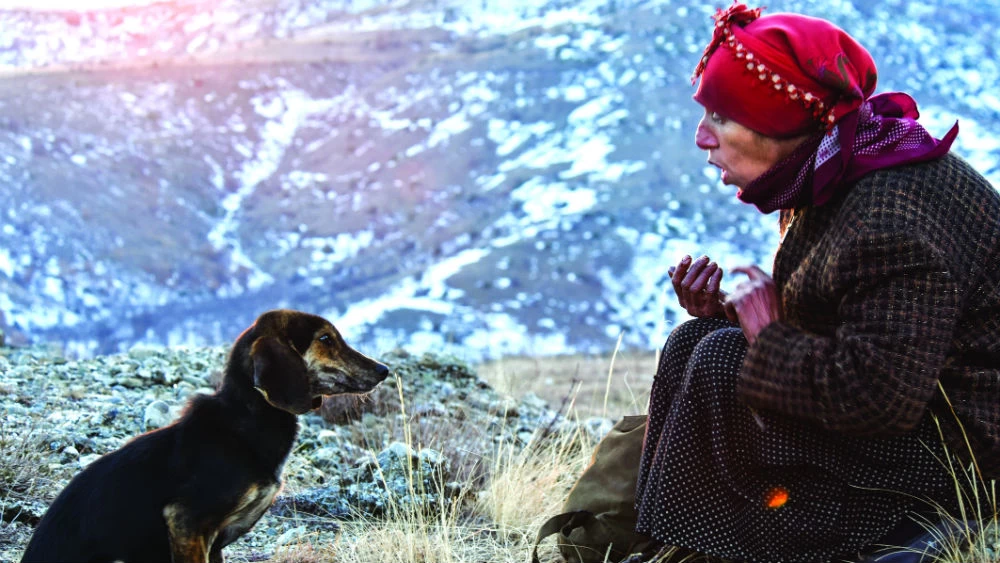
x=484, y=177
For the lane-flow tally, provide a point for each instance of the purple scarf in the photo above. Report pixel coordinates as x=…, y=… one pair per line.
x=882, y=133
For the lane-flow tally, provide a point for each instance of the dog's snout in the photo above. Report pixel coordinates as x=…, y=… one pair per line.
x=382, y=371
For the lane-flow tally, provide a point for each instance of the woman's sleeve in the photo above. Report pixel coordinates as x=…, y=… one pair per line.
x=897, y=309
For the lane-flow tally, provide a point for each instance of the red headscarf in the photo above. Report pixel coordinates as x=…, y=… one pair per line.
x=782, y=75
x=786, y=75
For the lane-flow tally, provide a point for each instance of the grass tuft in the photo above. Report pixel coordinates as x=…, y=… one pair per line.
x=973, y=534
x=22, y=471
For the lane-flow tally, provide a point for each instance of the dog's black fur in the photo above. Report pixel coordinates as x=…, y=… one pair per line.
x=185, y=491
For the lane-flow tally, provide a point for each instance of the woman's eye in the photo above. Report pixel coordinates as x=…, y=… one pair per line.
x=717, y=118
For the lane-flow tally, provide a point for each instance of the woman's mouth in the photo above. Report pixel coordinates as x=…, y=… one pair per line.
x=724, y=175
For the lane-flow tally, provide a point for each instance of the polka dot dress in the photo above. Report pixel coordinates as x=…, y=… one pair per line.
x=720, y=479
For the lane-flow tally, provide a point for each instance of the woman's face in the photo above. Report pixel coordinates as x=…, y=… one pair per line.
x=741, y=153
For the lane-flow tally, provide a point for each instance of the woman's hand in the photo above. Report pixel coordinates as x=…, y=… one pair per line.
x=754, y=302
x=697, y=287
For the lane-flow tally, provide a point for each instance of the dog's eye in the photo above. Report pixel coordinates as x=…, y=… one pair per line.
x=326, y=339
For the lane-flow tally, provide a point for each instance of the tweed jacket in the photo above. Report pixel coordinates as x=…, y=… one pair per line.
x=888, y=290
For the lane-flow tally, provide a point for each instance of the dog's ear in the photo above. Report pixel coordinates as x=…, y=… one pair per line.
x=279, y=373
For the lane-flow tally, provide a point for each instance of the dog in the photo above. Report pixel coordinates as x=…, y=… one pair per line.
x=183, y=492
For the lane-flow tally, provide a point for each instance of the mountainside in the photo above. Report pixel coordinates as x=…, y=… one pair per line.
x=489, y=177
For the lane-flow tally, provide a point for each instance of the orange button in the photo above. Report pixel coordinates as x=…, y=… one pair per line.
x=776, y=497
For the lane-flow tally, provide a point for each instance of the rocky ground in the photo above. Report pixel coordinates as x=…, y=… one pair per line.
x=350, y=457
x=425, y=436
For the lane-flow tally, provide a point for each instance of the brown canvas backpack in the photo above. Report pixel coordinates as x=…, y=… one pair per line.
x=597, y=524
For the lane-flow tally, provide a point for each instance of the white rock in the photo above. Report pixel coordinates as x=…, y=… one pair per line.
x=86, y=460
x=291, y=536
x=159, y=414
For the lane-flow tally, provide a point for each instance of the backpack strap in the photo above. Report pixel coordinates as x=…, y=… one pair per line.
x=565, y=523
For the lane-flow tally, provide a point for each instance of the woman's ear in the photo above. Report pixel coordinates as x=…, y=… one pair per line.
x=279, y=373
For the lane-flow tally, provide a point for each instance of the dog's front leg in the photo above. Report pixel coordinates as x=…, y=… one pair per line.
x=215, y=553
x=187, y=544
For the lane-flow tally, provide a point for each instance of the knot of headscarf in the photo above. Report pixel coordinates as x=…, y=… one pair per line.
x=738, y=14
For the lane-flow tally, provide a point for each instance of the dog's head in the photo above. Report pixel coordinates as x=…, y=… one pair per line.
x=297, y=358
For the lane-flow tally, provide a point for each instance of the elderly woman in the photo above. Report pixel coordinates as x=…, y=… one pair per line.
x=795, y=419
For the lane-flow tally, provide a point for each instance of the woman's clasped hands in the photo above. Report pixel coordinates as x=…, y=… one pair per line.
x=754, y=303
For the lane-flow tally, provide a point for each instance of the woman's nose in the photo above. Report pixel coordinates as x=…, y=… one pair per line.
x=704, y=138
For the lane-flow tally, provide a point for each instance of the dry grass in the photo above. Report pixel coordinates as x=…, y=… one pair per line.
x=497, y=523
x=22, y=471
x=497, y=517
x=973, y=534
x=526, y=484
x=605, y=386
x=23, y=476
